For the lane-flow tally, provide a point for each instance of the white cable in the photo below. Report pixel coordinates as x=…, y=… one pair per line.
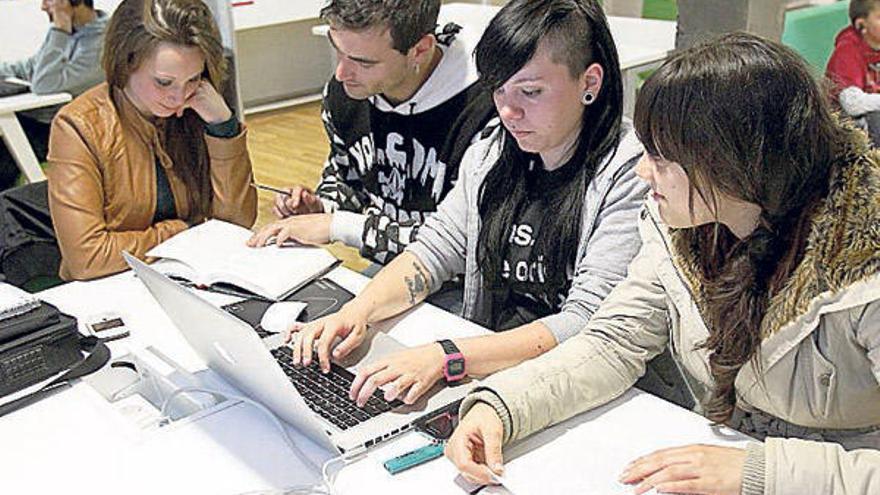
x=285, y=434
x=328, y=479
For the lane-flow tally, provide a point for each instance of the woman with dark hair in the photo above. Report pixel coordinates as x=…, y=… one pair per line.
x=152, y=151
x=542, y=220
x=759, y=267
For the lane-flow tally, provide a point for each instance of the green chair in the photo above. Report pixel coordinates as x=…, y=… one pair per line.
x=665, y=10
x=810, y=31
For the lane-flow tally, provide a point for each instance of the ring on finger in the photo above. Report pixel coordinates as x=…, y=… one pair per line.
x=296, y=339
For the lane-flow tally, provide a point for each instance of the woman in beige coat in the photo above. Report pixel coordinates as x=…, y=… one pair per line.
x=760, y=268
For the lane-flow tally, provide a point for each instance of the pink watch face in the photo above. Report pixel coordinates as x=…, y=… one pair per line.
x=454, y=368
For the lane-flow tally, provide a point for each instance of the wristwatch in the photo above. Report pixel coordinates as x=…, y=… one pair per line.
x=453, y=366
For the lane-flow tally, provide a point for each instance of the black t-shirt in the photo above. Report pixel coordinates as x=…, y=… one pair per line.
x=165, y=207
x=526, y=295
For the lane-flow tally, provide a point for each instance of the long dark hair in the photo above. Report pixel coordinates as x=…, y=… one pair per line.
x=744, y=117
x=578, y=34
x=135, y=30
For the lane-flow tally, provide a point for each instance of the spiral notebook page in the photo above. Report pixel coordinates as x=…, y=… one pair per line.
x=14, y=301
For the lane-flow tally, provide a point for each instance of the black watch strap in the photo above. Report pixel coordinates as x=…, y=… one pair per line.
x=448, y=346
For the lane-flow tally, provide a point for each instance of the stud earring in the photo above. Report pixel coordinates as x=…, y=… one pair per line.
x=588, y=98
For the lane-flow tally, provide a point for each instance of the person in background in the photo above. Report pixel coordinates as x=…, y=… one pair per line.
x=542, y=222
x=759, y=267
x=68, y=62
x=854, y=66
x=400, y=111
x=154, y=150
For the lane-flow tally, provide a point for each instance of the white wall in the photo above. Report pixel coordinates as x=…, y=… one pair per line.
x=23, y=25
x=281, y=62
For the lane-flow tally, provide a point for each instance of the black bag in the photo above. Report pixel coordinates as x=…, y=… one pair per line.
x=28, y=246
x=39, y=344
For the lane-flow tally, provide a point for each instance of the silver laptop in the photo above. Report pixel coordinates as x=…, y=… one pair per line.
x=230, y=347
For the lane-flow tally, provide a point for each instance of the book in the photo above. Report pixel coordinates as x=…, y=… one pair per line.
x=14, y=301
x=214, y=254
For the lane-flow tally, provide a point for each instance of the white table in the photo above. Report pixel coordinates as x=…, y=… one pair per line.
x=13, y=134
x=233, y=450
x=641, y=43
x=75, y=441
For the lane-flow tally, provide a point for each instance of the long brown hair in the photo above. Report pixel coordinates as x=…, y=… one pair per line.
x=136, y=28
x=744, y=117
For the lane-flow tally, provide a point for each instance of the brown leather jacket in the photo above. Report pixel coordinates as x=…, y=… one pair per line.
x=102, y=183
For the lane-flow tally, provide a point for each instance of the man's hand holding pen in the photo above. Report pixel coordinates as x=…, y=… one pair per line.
x=296, y=200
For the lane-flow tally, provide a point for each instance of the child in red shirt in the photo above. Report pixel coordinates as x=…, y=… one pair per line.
x=854, y=67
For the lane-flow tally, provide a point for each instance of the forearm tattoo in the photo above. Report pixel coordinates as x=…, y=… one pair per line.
x=417, y=284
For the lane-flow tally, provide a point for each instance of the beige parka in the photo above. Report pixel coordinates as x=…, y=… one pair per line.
x=820, y=354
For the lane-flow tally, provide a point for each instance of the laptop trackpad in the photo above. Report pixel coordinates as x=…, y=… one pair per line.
x=381, y=345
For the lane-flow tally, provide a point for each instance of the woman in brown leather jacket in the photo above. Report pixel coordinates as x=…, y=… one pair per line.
x=153, y=150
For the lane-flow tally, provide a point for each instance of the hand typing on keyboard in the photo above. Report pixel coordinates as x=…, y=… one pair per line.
x=327, y=393
x=408, y=373
x=318, y=336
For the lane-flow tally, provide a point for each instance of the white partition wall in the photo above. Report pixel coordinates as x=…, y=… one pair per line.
x=223, y=15
x=280, y=62
x=23, y=27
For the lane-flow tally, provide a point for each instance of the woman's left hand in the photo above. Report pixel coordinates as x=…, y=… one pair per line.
x=208, y=103
x=700, y=469
x=411, y=373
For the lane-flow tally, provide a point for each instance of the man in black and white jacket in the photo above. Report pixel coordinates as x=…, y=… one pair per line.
x=400, y=110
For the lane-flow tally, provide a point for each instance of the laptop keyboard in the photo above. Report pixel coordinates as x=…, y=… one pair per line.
x=327, y=394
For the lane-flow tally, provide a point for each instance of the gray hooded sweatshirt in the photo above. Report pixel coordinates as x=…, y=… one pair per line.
x=69, y=63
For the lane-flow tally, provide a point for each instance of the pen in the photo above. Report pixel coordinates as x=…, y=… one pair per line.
x=219, y=290
x=270, y=188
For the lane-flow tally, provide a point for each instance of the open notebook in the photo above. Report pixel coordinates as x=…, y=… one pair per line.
x=215, y=252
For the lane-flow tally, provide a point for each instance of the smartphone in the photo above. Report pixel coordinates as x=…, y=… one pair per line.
x=441, y=423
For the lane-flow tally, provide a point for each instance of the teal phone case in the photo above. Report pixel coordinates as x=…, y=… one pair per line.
x=411, y=459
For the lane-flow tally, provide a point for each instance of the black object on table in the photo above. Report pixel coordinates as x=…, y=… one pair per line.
x=322, y=297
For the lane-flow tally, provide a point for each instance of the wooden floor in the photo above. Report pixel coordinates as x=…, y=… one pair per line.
x=289, y=147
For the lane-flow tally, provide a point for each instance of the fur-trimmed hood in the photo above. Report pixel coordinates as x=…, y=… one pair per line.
x=843, y=247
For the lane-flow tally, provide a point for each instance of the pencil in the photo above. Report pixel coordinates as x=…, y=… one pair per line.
x=270, y=188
